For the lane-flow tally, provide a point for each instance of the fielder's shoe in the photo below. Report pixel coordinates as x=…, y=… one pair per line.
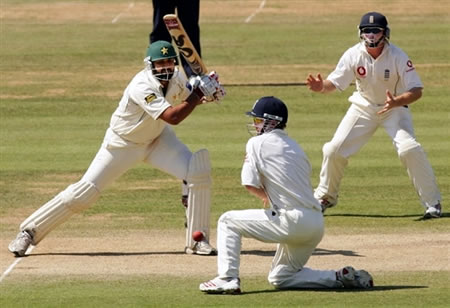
x=325, y=204
x=351, y=278
x=221, y=286
x=433, y=212
x=202, y=248
x=21, y=243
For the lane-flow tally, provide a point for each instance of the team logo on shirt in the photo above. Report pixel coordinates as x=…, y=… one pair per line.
x=150, y=98
x=361, y=70
x=386, y=74
x=410, y=65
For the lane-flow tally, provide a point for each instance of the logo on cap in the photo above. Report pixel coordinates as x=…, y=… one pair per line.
x=164, y=51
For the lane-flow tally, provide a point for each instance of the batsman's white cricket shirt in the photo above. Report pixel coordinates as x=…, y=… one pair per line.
x=278, y=164
x=136, y=119
x=392, y=71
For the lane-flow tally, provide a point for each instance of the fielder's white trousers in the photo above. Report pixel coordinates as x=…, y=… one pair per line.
x=355, y=130
x=297, y=233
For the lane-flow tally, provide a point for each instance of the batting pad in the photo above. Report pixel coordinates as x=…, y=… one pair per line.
x=199, y=195
x=74, y=199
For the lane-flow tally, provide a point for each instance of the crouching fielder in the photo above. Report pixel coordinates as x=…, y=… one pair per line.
x=277, y=171
x=139, y=132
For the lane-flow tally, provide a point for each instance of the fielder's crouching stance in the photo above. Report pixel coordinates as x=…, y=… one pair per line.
x=277, y=171
x=386, y=83
x=139, y=132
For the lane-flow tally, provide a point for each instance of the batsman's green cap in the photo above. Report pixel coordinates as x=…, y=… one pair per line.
x=160, y=50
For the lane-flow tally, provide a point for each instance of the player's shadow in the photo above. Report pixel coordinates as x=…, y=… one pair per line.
x=107, y=253
x=417, y=216
x=262, y=253
x=370, y=215
x=317, y=252
x=340, y=290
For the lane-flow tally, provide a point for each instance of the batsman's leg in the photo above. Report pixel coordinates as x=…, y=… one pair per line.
x=169, y=154
x=199, y=201
x=74, y=199
x=107, y=165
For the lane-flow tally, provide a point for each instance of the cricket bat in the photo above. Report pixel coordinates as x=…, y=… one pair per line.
x=184, y=44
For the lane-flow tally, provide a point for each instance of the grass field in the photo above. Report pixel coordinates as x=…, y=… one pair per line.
x=63, y=68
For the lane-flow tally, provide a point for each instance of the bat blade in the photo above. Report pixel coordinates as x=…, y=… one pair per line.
x=184, y=44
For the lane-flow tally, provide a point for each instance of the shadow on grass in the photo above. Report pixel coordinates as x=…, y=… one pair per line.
x=262, y=253
x=370, y=215
x=317, y=252
x=418, y=216
x=107, y=254
x=340, y=290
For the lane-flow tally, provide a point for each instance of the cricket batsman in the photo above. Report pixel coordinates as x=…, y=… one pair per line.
x=140, y=131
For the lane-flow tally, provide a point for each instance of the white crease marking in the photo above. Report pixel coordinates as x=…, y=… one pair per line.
x=261, y=6
x=130, y=6
x=11, y=267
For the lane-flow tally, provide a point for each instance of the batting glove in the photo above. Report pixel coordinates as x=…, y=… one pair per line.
x=209, y=86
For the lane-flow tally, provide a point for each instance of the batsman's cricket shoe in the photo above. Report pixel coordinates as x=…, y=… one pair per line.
x=202, y=248
x=221, y=286
x=433, y=212
x=21, y=243
x=351, y=278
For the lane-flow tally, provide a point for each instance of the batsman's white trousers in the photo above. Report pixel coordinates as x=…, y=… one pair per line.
x=355, y=130
x=166, y=153
x=297, y=233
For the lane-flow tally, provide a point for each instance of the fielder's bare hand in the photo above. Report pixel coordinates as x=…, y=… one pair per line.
x=315, y=84
x=389, y=103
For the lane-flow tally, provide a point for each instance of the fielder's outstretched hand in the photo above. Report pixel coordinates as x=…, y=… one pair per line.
x=388, y=104
x=315, y=85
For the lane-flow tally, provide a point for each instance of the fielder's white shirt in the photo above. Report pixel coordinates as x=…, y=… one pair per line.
x=136, y=119
x=278, y=164
x=392, y=71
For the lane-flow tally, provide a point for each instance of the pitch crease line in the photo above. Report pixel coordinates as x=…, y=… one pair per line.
x=115, y=19
x=11, y=267
x=261, y=6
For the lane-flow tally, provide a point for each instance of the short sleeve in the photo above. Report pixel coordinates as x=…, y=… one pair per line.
x=249, y=174
x=343, y=74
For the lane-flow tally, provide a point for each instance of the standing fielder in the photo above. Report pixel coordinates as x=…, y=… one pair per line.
x=139, y=132
x=277, y=171
x=386, y=83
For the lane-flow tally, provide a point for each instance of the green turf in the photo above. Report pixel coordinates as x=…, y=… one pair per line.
x=408, y=289
x=60, y=83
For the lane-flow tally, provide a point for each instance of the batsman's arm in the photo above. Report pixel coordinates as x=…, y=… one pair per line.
x=176, y=114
